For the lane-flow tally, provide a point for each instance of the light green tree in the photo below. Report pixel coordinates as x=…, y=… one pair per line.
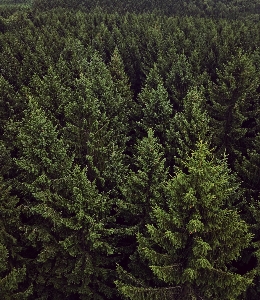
x=193, y=241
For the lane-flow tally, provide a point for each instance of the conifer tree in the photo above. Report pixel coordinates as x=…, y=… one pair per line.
x=155, y=109
x=143, y=186
x=121, y=81
x=11, y=105
x=141, y=191
x=192, y=243
x=13, y=283
x=64, y=215
x=188, y=126
x=249, y=171
x=123, y=88
x=232, y=106
x=97, y=124
x=179, y=80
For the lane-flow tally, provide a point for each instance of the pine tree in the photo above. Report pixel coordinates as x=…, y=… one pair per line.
x=192, y=243
x=179, y=80
x=186, y=128
x=249, y=171
x=234, y=116
x=143, y=186
x=11, y=104
x=121, y=82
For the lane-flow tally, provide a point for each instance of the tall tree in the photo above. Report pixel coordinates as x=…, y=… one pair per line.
x=96, y=127
x=192, y=243
x=141, y=191
x=63, y=215
x=232, y=106
x=155, y=109
x=188, y=126
x=13, y=283
x=249, y=171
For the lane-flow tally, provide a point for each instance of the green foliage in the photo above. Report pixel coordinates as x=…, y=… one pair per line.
x=154, y=106
x=193, y=241
x=231, y=103
x=66, y=214
x=97, y=111
x=188, y=126
x=12, y=268
x=143, y=187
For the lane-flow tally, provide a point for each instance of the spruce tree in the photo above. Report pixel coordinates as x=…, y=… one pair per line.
x=142, y=190
x=249, y=171
x=64, y=216
x=155, y=109
x=192, y=243
x=13, y=283
x=122, y=84
x=232, y=107
x=96, y=119
x=179, y=79
x=187, y=127
x=143, y=186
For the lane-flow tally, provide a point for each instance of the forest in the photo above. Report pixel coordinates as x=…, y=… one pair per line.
x=129, y=150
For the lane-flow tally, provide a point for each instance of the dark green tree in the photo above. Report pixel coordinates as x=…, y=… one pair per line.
x=13, y=283
x=64, y=216
x=249, y=171
x=141, y=191
x=232, y=107
x=188, y=126
x=155, y=109
x=179, y=79
x=96, y=127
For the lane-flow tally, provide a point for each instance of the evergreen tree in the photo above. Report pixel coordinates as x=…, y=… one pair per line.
x=188, y=126
x=143, y=186
x=97, y=124
x=232, y=107
x=123, y=88
x=12, y=266
x=179, y=79
x=121, y=81
x=155, y=109
x=142, y=190
x=249, y=171
x=64, y=215
x=11, y=105
x=192, y=243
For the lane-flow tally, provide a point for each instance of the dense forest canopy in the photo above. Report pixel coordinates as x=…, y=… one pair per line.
x=129, y=149
x=231, y=9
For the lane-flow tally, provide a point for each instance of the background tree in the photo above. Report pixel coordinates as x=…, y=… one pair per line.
x=141, y=191
x=13, y=283
x=63, y=215
x=155, y=109
x=187, y=127
x=231, y=107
